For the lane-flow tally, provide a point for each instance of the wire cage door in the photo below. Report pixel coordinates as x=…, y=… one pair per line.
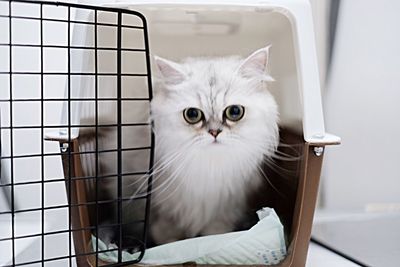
x=75, y=133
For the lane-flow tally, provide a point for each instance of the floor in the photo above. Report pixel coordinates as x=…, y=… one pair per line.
x=370, y=238
x=319, y=256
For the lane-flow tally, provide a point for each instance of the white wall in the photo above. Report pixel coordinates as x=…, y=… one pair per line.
x=362, y=106
x=320, y=11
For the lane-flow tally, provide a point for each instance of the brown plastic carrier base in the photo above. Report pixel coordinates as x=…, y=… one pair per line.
x=296, y=211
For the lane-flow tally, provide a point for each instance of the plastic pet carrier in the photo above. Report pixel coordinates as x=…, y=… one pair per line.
x=70, y=76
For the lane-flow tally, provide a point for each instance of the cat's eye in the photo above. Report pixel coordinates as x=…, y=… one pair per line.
x=193, y=115
x=234, y=112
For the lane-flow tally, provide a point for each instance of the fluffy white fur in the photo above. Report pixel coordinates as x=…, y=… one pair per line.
x=201, y=183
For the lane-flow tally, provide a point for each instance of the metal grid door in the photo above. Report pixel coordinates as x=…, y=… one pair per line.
x=65, y=70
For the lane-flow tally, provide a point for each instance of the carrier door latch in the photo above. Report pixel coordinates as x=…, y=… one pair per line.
x=64, y=147
x=318, y=151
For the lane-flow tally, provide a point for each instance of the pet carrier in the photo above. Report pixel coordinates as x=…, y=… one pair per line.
x=102, y=71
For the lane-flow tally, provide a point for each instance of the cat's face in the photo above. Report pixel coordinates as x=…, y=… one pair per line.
x=216, y=106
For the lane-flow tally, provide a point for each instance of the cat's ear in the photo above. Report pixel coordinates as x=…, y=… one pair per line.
x=171, y=72
x=256, y=64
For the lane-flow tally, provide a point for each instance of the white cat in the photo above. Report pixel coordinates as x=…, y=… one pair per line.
x=215, y=122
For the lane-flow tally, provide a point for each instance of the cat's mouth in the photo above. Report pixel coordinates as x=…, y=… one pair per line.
x=216, y=142
x=208, y=141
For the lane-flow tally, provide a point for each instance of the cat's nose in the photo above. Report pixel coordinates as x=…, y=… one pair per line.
x=214, y=133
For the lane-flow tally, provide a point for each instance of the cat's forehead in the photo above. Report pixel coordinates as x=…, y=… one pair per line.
x=211, y=71
x=211, y=85
x=212, y=76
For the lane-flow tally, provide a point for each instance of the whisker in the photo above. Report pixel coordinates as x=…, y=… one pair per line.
x=178, y=157
x=291, y=146
x=166, y=161
x=156, y=174
x=286, y=157
x=271, y=164
x=171, y=181
x=276, y=154
x=277, y=168
x=270, y=183
x=154, y=189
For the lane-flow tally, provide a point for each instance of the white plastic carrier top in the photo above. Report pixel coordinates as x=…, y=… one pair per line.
x=180, y=29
